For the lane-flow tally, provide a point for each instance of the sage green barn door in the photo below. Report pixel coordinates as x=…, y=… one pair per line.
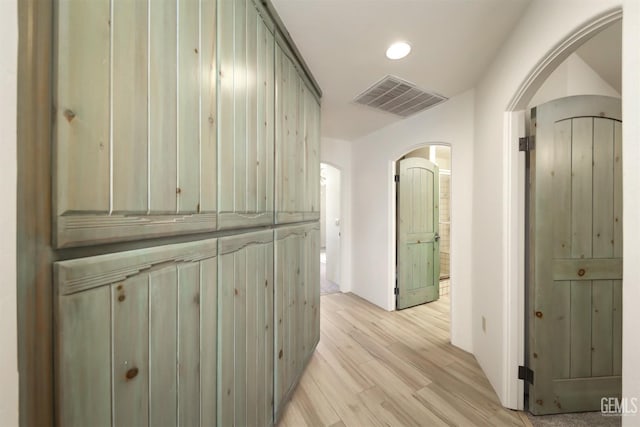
x=576, y=254
x=418, y=268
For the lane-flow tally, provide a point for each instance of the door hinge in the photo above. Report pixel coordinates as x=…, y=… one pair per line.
x=396, y=178
x=396, y=291
x=526, y=143
x=525, y=374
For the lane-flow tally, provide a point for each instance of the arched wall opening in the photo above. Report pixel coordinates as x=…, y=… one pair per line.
x=330, y=228
x=373, y=205
x=514, y=177
x=440, y=154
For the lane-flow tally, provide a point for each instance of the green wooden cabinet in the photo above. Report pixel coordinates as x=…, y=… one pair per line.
x=246, y=121
x=297, y=143
x=136, y=337
x=194, y=122
x=135, y=120
x=297, y=304
x=245, y=363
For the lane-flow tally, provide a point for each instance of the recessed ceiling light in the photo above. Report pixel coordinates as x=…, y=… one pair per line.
x=398, y=50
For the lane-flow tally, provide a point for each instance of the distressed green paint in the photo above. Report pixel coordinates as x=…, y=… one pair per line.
x=418, y=247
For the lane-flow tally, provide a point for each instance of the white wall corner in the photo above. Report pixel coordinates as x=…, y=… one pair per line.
x=631, y=208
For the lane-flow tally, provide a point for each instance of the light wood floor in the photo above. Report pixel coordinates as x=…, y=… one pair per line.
x=376, y=368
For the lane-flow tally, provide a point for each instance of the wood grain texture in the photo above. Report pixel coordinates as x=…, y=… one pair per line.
x=85, y=273
x=603, y=246
x=188, y=119
x=209, y=341
x=418, y=213
x=575, y=268
x=140, y=147
x=163, y=107
x=270, y=109
x=129, y=92
x=36, y=206
x=189, y=344
x=208, y=107
x=251, y=140
x=84, y=342
x=312, y=152
x=82, y=124
x=163, y=347
x=157, y=345
x=416, y=379
x=135, y=157
x=226, y=76
x=245, y=389
x=295, y=187
x=226, y=310
x=246, y=156
x=130, y=382
x=296, y=299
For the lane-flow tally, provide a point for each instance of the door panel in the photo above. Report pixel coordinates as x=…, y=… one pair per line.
x=163, y=107
x=129, y=100
x=246, y=332
x=297, y=196
x=418, y=224
x=128, y=336
x=135, y=159
x=163, y=346
x=312, y=153
x=297, y=304
x=130, y=376
x=575, y=269
x=189, y=350
x=188, y=108
x=82, y=123
x=83, y=363
x=246, y=124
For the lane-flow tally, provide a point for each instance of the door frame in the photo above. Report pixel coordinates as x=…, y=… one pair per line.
x=513, y=207
x=341, y=284
x=391, y=227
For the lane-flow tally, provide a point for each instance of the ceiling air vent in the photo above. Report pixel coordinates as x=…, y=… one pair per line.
x=397, y=96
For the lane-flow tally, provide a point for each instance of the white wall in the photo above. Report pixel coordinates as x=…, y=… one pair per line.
x=543, y=26
x=8, y=162
x=631, y=197
x=572, y=77
x=333, y=224
x=337, y=153
x=450, y=123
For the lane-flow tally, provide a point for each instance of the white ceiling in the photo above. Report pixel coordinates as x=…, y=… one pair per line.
x=344, y=43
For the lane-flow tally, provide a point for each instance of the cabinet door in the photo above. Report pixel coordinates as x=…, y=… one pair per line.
x=246, y=117
x=312, y=279
x=297, y=144
x=136, y=337
x=245, y=364
x=290, y=200
x=135, y=120
x=312, y=155
x=297, y=299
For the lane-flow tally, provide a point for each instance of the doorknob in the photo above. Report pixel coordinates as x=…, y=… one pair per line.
x=436, y=237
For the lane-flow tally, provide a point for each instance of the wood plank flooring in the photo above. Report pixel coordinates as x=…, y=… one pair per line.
x=379, y=368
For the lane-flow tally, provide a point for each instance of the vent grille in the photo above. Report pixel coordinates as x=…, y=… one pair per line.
x=399, y=97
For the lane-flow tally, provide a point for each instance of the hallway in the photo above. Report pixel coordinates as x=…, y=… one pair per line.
x=376, y=368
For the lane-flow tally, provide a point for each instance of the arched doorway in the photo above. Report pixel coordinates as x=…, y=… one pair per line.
x=330, y=229
x=514, y=170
